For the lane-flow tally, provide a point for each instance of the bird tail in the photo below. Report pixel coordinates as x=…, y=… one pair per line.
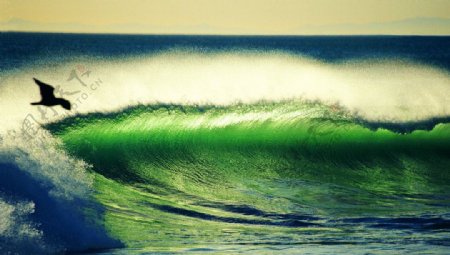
x=35, y=103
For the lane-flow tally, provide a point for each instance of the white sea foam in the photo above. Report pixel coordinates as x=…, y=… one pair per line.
x=388, y=90
x=42, y=195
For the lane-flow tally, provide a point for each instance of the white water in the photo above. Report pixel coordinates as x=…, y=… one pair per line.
x=44, y=193
x=387, y=90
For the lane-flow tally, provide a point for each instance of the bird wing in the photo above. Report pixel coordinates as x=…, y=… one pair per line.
x=46, y=90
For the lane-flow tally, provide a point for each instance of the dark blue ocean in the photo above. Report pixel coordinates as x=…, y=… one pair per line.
x=18, y=49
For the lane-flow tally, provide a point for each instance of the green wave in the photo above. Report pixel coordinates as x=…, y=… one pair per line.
x=203, y=163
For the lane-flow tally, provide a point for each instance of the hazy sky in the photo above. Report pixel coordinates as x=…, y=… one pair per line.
x=229, y=16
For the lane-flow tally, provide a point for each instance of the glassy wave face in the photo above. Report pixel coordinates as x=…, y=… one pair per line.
x=226, y=145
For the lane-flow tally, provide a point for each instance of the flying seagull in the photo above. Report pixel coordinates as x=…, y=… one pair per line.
x=48, y=97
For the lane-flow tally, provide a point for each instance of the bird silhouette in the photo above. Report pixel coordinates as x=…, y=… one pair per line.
x=48, y=97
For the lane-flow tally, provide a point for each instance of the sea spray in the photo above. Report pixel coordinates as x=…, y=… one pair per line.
x=45, y=198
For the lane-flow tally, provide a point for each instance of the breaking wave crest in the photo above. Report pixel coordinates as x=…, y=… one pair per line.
x=390, y=90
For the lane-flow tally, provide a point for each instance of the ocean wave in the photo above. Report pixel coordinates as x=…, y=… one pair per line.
x=228, y=142
x=293, y=167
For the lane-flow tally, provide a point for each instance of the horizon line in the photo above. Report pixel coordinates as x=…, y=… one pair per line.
x=181, y=34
